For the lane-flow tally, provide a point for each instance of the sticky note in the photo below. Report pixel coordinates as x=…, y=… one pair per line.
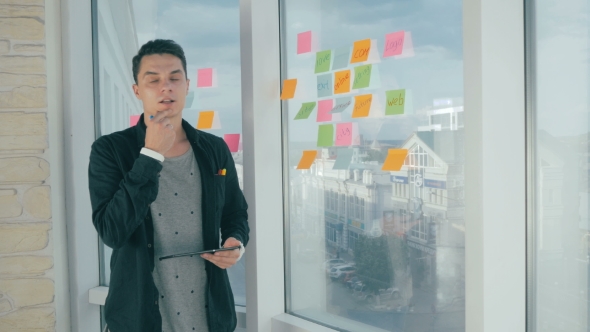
x=344, y=134
x=322, y=61
x=395, y=102
x=362, y=76
x=408, y=47
x=304, y=42
x=289, y=89
x=362, y=106
x=343, y=159
x=324, y=85
x=305, y=111
x=356, y=136
x=326, y=135
x=205, y=77
x=232, y=141
x=341, y=57
x=342, y=81
x=133, y=119
x=342, y=104
x=208, y=120
x=324, y=108
x=395, y=159
x=307, y=159
x=394, y=44
x=360, y=51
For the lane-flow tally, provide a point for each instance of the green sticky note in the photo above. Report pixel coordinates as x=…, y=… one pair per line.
x=322, y=61
x=395, y=102
x=362, y=76
x=326, y=135
x=305, y=110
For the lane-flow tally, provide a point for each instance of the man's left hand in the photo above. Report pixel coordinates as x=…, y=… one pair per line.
x=225, y=259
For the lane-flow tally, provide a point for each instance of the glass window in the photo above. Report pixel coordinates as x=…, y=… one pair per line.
x=560, y=54
x=403, y=92
x=208, y=31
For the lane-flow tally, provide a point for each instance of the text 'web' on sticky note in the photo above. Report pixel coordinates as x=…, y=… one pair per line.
x=307, y=159
x=395, y=159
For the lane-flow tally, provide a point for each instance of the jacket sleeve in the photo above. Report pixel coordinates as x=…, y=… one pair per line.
x=120, y=202
x=234, y=218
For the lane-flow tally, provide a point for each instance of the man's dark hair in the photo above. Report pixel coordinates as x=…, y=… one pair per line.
x=158, y=46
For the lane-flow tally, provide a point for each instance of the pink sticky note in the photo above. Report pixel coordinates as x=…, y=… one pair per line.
x=344, y=134
x=304, y=42
x=324, y=108
x=394, y=43
x=204, y=78
x=233, y=141
x=133, y=120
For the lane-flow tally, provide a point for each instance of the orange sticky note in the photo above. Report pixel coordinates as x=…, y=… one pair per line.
x=205, y=120
x=342, y=81
x=360, y=51
x=289, y=89
x=395, y=159
x=307, y=159
x=362, y=106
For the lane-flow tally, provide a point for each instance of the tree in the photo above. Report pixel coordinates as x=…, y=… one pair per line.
x=373, y=262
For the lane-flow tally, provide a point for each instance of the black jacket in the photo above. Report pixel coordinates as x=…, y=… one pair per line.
x=123, y=183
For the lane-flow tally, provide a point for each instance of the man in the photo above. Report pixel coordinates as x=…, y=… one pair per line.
x=162, y=188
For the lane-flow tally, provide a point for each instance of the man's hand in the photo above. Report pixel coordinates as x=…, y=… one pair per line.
x=160, y=134
x=225, y=259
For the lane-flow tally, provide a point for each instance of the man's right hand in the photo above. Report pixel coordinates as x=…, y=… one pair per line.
x=160, y=134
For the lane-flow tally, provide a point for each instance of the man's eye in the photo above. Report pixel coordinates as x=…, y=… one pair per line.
x=154, y=81
x=174, y=79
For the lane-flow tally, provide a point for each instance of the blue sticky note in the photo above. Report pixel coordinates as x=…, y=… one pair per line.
x=341, y=58
x=324, y=86
x=343, y=159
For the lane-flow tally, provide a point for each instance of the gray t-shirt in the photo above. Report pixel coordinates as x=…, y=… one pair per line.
x=177, y=217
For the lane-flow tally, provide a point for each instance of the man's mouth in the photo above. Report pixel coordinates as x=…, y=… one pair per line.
x=167, y=101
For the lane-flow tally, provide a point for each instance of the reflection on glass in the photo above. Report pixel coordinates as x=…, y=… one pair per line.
x=208, y=31
x=561, y=166
x=376, y=223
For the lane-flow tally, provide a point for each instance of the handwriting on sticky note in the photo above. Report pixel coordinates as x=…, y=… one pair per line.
x=324, y=86
x=133, y=119
x=395, y=102
x=344, y=134
x=304, y=42
x=305, y=111
x=204, y=78
x=205, y=120
x=289, y=87
x=322, y=61
x=307, y=159
x=341, y=104
x=326, y=135
x=394, y=43
x=232, y=141
x=362, y=106
x=395, y=159
x=342, y=81
x=362, y=76
x=360, y=51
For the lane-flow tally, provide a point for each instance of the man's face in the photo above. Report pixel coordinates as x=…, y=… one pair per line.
x=161, y=85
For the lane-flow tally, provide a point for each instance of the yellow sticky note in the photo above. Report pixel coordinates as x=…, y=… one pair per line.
x=395, y=159
x=342, y=81
x=360, y=51
x=206, y=120
x=362, y=106
x=307, y=159
x=289, y=89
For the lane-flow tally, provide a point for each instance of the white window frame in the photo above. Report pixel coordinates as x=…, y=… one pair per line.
x=495, y=258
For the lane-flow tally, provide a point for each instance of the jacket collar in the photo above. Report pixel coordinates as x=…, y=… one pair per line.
x=191, y=133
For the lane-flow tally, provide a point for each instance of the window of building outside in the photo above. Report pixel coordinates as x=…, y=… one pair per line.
x=376, y=80
x=560, y=57
x=208, y=31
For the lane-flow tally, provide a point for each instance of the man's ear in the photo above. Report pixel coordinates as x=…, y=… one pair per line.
x=136, y=91
x=188, y=84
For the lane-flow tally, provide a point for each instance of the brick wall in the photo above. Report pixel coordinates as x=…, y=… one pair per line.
x=26, y=249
